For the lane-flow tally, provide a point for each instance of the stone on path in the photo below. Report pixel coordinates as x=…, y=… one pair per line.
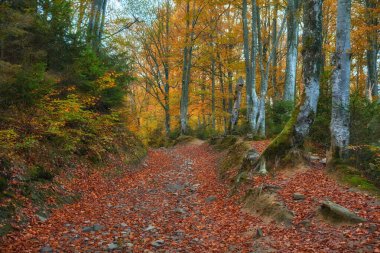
x=158, y=243
x=174, y=187
x=46, y=249
x=210, y=199
x=112, y=246
x=298, y=196
x=337, y=212
x=150, y=228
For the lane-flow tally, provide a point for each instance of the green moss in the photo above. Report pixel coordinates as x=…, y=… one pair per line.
x=224, y=143
x=353, y=177
x=39, y=173
x=3, y=184
x=280, y=147
x=183, y=139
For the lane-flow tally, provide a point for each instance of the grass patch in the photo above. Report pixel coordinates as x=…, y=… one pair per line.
x=352, y=177
x=39, y=173
x=223, y=143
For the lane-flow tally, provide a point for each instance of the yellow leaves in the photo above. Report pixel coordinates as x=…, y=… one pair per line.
x=108, y=80
x=8, y=138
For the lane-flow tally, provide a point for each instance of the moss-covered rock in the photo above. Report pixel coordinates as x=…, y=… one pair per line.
x=339, y=214
x=233, y=158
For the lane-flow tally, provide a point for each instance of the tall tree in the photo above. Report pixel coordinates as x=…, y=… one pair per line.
x=373, y=50
x=340, y=116
x=293, y=135
x=96, y=23
x=192, y=14
x=292, y=50
x=153, y=60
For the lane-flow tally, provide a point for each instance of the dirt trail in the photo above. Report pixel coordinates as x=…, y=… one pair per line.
x=175, y=203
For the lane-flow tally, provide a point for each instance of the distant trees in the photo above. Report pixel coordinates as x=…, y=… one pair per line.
x=153, y=59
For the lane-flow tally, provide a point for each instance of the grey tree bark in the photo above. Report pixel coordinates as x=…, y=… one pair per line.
x=312, y=60
x=340, y=114
x=96, y=23
x=372, y=89
x=247, y=59
x=293, y=135
x=237, y=103
x=292, y=50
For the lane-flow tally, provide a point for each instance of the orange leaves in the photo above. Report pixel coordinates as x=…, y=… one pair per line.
x=176, y=197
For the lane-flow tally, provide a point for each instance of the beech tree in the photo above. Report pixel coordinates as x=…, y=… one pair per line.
x=291, y=139
x=192, y=14
x=340, y=116
x=372, y=89
x=292, y=50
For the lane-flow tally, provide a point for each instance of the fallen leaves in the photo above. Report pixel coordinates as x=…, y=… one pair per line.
x=171, y=196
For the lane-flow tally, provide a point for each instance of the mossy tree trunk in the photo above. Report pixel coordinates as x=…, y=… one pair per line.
x=292, y=136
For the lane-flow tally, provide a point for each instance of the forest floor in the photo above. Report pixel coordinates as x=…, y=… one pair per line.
x=175, y=202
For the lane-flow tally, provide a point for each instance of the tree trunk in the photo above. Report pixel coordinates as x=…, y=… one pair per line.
x=274, y=51
x=340, y=115
x=185, y=68
x=292, y=136
x=213, y=69
x=292, y=51
x=222, y=89
x=372, y=52
x=236, y=108
x=247, y=60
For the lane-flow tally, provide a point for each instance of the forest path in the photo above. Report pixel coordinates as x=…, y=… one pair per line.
x=175, y=203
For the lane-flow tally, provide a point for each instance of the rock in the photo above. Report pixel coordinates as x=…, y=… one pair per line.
x=298, y=196
x=41, y=218
x=372, y=228
x=314, y=157
x=338, y=213
x=305, y=223
x=194, y=187
x=259, y=233
x=323, y=161
x=112, y=246
x=123, y=225
x=87, y=229
x=158, y=243
x=252, y=155
x=174, y=187
x=150, y=228
x=97, y=227
x=180, y=210
x=210, y=199
x=46, y=249
x=129, y=245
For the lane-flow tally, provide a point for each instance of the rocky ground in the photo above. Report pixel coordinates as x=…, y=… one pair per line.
x=175, y=202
